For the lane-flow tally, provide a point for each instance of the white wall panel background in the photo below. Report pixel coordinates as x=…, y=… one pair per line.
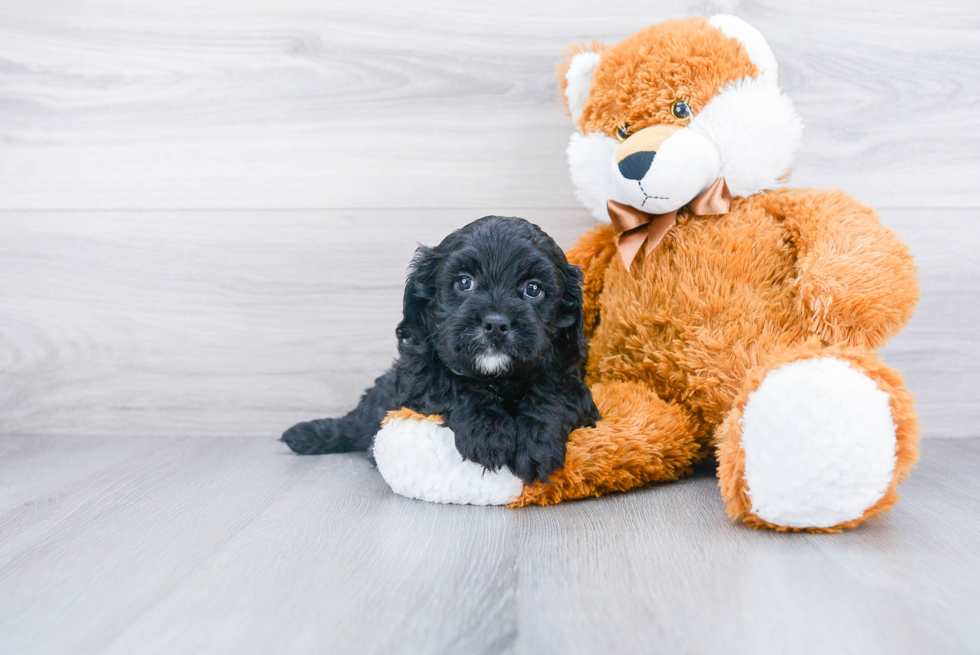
x=206, y=207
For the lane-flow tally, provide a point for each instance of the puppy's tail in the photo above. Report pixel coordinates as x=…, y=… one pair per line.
x=350, y=433
x=326, y=435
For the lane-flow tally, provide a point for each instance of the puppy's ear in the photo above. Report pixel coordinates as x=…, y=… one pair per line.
x=571, y=336
x=420, y=293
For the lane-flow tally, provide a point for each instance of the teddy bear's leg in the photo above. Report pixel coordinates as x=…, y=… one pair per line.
x=640, y=439
x=817, y=439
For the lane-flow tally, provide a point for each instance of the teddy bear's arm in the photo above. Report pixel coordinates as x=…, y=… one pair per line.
x=592, y=253
x=856, y=283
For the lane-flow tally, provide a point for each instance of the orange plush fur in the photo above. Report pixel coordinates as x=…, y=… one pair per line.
x=680, y=340
x=633, y=87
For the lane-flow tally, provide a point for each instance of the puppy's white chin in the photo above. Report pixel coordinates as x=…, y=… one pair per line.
x=491, y=363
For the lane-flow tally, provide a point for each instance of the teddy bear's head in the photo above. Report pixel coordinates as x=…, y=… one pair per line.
x=665, y=113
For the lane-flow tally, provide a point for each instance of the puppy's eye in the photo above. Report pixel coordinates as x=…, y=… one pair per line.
x=465, y=284
x=680, y=110
x=623, y=132
x=533, y=291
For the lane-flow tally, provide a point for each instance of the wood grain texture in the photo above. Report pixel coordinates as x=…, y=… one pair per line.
x=242, y=323
x=206, y=209
x=300, y=104
x=226, y=323
x=235, y=546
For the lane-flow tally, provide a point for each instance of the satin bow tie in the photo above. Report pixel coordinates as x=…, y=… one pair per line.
x=634, y=227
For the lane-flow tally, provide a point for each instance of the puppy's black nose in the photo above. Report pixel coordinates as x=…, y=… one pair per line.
x=636, y=165
x=496, y=325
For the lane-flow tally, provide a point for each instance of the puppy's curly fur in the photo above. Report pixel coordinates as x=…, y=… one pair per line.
x=491, y=339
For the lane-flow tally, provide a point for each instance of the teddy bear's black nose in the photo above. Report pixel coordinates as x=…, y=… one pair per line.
x=635, y=166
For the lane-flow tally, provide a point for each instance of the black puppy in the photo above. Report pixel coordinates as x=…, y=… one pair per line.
x=491, y=339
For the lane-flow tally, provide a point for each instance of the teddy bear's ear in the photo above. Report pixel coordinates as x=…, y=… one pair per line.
x=575, y=75
x=751, y=121
x=752, y=40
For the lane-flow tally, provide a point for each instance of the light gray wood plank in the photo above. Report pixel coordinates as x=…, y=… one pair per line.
x=166, y=560
x=26, y=483
x=148, y=529
x=938, y=352
x=235, y=546
x=242, y=323
x=162, y=104
x=342, y=565
x=663, y=567
x=223, y=323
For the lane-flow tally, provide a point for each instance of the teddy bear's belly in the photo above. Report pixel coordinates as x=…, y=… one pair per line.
x=693, y=316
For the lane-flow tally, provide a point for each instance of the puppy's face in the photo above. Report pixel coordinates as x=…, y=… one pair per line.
x=496, y=297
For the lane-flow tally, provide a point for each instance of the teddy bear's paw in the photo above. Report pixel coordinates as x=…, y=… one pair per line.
x=417, y=457
x=819, y=443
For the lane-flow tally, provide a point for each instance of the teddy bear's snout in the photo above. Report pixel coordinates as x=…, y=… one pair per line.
x=635, y=155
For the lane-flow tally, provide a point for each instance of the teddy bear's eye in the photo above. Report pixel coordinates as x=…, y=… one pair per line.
x=680, y=110
x=623, y=132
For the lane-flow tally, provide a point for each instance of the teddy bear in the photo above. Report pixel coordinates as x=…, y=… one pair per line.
x=730, y=319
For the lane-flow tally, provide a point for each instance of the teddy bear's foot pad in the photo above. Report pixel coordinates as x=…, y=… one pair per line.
x=819, y=442
x=418, y=459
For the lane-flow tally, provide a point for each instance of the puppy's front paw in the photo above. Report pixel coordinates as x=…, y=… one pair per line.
x=491, y=447
x=531, y=466
x=540, y=451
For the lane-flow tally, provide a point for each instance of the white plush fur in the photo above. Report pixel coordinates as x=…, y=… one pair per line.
x=578, y=80
x=418, y=459
x=590, y=160
x=819, y=443
x=757, y=132
x=752, y=41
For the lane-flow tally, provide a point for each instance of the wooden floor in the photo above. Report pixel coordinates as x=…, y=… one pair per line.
x=187, y=545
